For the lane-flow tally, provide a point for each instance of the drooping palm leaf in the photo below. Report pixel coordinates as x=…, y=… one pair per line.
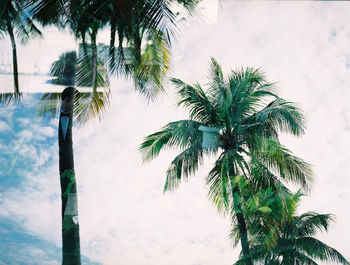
x=193, y=98
x=180, y=134
x=278, y=159
x=318, y=250
x=184, y=165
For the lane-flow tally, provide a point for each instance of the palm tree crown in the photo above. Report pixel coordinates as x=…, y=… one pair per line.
x=246, y=115
x=295, y=242
x=249, y=115
x=16, y=21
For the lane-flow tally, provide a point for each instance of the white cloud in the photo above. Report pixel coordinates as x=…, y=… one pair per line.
x=26, y=134
x=46, y=131
x=23, y=121
x=4, y=126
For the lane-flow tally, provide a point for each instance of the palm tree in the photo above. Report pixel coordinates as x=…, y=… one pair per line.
x=141, y=25
x=240, y=116
x=295, y=242
x=70, y=223
x=15, y=20
x=71, y=71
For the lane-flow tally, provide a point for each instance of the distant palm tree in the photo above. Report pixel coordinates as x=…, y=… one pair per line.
x=295, y=243
x=15, y=20
x=71, y=70
x=240, y=116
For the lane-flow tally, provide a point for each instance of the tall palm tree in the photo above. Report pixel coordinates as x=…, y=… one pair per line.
x=16, y=22
x=240, y=116
x=295, y=242
x=69, y=208
x=70, y=70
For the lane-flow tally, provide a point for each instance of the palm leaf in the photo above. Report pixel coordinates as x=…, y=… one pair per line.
x=309, y=223
x=182, y=134
x=195, y=100
x=184, y=165
x=150, y=74
x=91, y=105
x=218, y=182
x=283, y=115
x=319, y=250
x=280, y=160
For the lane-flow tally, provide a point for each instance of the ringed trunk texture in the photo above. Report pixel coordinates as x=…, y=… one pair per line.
x=94, y=58
x=242, y=226
x=14, y=57
x=112, y=44
x=70, y=224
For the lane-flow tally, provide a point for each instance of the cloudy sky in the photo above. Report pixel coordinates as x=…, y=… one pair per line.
x=124, y=216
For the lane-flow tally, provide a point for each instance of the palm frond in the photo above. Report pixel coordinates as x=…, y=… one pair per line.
x=158, y=16
x=319, y=250
x=72, y=71
x=241, y=95
x=280, y=160
x=26, y=29
x=262, y=177
x=49, y=105
x=245, y=81
x=84, y=73
x=258, y=254
x=184, y=165
x=49, y=12
x=195, y=100
x=7, y=98
x=298, y=258
x=309, y=223
x=282, y=115
x=150, y=74
x=219, y=93
x=222, y=181
x=90, y=105
x=218, y=182
x=181, y=134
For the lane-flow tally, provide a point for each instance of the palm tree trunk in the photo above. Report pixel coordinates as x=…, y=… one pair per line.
x=112, y=44
x=70, y=225
x=136, y=35
x=14, y=57
x=242, y=226
x=94, y=57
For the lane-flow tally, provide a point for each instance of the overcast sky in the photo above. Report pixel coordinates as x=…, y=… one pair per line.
x=124, y=216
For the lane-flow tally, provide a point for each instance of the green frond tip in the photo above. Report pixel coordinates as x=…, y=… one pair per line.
x=283, y=115
x=279, y=160
x=151, y=71
x=193, y=98
x=180, y=134
x=215, y=71
x=184, y=165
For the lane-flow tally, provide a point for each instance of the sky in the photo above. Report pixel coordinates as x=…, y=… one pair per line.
x=124, y=216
